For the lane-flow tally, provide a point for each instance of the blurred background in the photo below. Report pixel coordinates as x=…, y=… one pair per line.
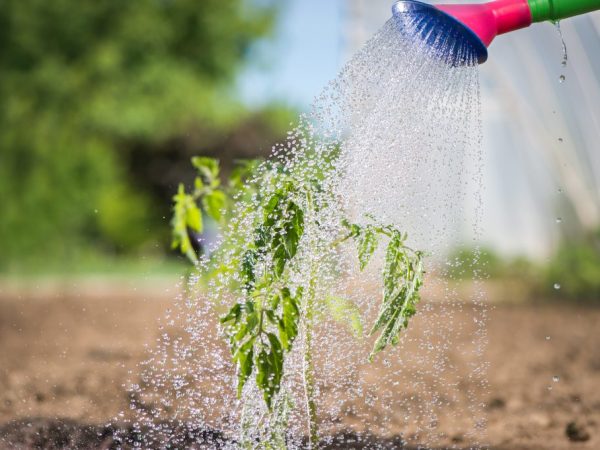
x=103, y=105
x=104, y=102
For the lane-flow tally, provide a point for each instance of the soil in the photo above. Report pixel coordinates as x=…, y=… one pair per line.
x=66, y=352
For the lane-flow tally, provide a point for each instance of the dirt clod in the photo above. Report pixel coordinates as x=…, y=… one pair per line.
x=577, y=432
x=496, y=403
x=458, y=438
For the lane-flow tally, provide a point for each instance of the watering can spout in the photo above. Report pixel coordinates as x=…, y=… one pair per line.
x=478, y=24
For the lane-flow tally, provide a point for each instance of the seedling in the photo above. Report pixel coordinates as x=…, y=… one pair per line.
x=262, y=328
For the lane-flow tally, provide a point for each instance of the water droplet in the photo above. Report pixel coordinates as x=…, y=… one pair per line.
x=95, y=211
x=556, y=378
x=558, y=220
x=565, y=57
x=562, y=79
x=548, y=338
x=561, y=140
x=556, y=286
x=560, y=191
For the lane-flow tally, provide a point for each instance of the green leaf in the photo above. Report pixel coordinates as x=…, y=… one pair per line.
x=208, y=168
x=233, y=314
x=252, y=321
x=193, y=216
x=244, y=357
x=279, y=260
x=389, y=307
x=214, y=202
x=346, y=312
x=184, y=215
x=276, y=356
x=281, y=230
x=288, y=325
x=367, y=244
x=393, y=264
x=263, y=375
x=249, y=260
x=286, y=234
x=270, y=369
x=403, y=277
x=271, y=317
x=271, y=212
x=293, y=229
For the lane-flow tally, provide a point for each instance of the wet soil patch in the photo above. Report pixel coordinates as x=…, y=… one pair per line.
x=68, y=434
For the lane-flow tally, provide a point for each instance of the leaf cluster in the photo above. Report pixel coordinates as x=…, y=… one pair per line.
x=94, y=96
x=187, y=215
x=208, y=198
x=265, y=326
x=402, y=279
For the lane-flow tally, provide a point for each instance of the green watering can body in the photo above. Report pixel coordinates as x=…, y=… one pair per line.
x=554, y=10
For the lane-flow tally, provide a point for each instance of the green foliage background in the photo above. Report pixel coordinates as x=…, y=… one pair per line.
x=576, y=269
x=570, y=274
x=102, y=103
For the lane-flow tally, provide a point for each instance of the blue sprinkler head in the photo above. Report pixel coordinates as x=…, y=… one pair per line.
x=440, y=31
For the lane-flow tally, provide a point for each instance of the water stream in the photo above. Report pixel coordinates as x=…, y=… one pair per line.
x=394, y=138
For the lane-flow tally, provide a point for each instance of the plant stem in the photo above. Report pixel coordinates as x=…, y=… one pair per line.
x=309, y=369
x=309, y=372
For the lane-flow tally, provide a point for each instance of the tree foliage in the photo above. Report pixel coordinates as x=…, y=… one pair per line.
x=83, y=83
x=573, y=272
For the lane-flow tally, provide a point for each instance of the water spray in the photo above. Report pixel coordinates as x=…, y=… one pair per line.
x=448, y=28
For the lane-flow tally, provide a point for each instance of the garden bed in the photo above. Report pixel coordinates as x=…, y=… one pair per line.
x=67, y=356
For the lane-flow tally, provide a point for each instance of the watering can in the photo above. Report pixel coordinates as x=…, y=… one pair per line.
x=450, y=27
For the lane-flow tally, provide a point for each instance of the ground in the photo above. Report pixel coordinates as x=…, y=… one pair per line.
x=65, y=352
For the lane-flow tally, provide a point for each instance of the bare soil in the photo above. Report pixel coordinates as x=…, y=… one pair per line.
x=65, y=353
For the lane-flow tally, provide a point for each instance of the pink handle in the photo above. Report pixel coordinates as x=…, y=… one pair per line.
x=488, y=20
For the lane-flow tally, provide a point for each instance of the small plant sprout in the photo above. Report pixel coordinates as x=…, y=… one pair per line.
x=272, y=310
